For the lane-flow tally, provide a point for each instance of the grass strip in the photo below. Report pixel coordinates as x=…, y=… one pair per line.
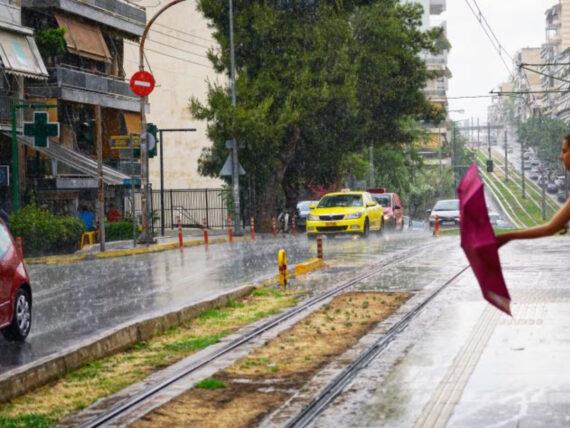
x=510, y=197
x=80, y=388
x=259, y=383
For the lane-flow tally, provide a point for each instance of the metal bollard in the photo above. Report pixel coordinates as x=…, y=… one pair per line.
x=180, y=235
x=436, y=226
x=274, y=227
x=252, y=228
x=282, y=262
x=20, y=247
x=230, y=230
x=205, y=230
x=320, y=247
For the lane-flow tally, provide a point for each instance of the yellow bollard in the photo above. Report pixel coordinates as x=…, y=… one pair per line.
x=283, y=274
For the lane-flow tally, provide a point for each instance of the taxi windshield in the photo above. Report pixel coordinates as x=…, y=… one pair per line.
x=341, y=201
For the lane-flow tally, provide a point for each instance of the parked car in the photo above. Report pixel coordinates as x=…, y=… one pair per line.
x=448, y=212
x=561, y=196
x=15, y=290
x=393, y=208
x=303, y=209
x=552, y=188
x=534, y=174
x=355, y=213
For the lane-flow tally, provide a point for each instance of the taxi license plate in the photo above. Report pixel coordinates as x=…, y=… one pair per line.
x=331, y=223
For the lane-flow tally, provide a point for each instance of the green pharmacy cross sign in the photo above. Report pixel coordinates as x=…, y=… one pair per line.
x=41, y=129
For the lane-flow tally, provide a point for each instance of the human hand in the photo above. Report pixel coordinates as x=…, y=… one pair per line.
x=503, y=239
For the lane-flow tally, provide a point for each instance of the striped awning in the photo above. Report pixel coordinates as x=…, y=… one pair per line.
x=19, y=55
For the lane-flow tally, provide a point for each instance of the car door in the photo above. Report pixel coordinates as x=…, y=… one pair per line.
x=6, y=275
x=374, y=213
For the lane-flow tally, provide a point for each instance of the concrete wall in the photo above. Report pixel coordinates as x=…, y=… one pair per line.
x=176, y=54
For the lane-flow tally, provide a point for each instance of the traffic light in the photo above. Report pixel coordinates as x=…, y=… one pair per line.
x=490, y=165
x=152, y=139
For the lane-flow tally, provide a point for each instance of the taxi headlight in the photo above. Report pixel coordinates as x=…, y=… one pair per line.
x=312, y=217
x=386, y=216
x=354, y=216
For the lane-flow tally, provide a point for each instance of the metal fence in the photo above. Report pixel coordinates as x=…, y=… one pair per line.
x=192, y=206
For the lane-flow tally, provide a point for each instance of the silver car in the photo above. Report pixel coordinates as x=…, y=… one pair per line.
x=448, y=212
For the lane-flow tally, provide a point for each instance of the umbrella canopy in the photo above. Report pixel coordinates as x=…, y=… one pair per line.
x=479, y=242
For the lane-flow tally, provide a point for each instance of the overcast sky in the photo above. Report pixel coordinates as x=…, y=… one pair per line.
x=475, y=65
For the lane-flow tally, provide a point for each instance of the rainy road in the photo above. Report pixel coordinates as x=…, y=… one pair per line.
x=462, y=363
x=75, y=302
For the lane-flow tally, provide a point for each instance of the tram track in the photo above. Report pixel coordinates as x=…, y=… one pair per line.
x=123, y=408
x=332, y=390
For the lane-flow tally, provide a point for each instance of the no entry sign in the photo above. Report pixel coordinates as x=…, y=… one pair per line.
x=142, y=83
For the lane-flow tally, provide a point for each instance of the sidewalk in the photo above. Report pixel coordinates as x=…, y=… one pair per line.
x=462, y=363
x=192, y=238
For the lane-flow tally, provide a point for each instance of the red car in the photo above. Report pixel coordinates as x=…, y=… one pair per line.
x=393, y=208
x=15, y=290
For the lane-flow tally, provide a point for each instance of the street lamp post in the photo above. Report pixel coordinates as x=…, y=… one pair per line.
x=145, y=187
x=235, y=160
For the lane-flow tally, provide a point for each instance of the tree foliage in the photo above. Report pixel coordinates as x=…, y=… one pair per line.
x=544, y=135
x=316, y=81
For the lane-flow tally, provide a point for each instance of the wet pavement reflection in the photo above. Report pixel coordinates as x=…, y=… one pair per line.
x=75, y=302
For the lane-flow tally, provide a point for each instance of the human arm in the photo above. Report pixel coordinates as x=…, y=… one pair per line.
x=556, y=224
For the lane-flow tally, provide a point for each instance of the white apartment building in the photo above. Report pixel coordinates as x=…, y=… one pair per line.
x=176, y=55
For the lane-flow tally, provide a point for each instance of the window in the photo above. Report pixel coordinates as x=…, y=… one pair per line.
x=5, y=241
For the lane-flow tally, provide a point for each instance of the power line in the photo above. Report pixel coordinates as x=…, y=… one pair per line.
x=178, y=49
x=183, y=32
x=173, y=57
x=180, y=39
x=544, y=74
x=483, y=23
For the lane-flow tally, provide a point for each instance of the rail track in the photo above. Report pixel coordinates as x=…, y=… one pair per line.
x=313, y=409
x=123, y=408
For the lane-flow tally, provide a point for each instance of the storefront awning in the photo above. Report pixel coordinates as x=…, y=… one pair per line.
x=20, y=56
x=84, y=39
x=132, y=122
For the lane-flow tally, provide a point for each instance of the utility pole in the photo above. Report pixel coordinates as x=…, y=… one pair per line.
x=506, y=157
x=543, y=185
x=371, y=165
x=235, y=160
x=523, y=178
x=489, y=138
x=101, y=181
x=478, y=139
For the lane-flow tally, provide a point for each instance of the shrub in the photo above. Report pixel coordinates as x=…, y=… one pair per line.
x=45, y=233
x=118, y=231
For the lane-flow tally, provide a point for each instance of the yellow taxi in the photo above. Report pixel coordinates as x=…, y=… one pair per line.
x=346, y=212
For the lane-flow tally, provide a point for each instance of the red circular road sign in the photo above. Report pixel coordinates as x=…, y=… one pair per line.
x=142, y=83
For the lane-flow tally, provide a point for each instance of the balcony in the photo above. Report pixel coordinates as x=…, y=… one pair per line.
x=6, y=102
x=117, y=14
x=437, y=7
x=70, y=84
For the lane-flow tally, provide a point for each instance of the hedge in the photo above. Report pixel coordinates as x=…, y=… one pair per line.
x=119, y=231
x=45, y=233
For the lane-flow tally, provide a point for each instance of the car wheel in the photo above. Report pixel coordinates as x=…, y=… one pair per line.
x=21, y=324
x=366, y=230
x=382, y=227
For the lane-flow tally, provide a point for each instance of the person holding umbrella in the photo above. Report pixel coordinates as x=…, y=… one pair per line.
x=558, y=222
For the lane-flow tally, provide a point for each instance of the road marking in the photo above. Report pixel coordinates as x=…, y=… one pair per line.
x=438, y=410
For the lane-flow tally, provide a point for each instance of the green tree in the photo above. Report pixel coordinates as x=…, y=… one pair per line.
x=544, y=135
x=316, y=81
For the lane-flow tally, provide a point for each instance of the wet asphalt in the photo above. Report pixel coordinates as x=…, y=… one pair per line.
x=73, y=303
x=462, y=363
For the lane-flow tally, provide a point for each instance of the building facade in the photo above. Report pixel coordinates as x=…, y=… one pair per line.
x=78, y=49
x=176, y=54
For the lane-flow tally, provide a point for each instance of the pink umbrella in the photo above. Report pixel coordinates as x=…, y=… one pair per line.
x=479, y=242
